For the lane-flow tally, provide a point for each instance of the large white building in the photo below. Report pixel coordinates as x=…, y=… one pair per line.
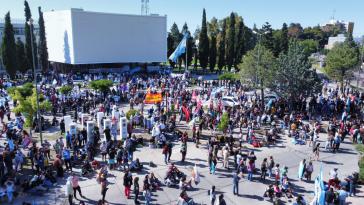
x=82, y=38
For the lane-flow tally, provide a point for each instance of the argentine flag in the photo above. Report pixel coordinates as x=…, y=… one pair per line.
x=181, y=49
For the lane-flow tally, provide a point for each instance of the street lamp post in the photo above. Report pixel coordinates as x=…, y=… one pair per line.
x=257, y=69
x=30, y=22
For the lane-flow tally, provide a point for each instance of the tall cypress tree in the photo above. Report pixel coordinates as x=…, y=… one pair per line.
x=221, y=61
x=239, y=44
x=284, y=40
x=267, y=36
x=203, y=45
x=20, y=56
x=28, y=33
x=42, y=50
x=8, y=47
x=230, y=55
x=213, y=52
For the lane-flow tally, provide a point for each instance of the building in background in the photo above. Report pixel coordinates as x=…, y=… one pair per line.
x=19, y=31
x=335, y=40
x=81, y=40
x=338, y=27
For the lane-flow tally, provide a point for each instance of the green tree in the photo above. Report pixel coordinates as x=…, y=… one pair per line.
x=258, y=67
x=230, y=43
x=340, y=62
x=294, y=76
x=295, y=30
x=23, y=91
x=28, y=33
x=284, y=40
x=224, y=122
x=203, y=44
x=8, y=47
x=221, y=52
x=239, y=48
x=102, y=86
x=278, y=38
x=20, y=56
x=42, y=50
x=213, y=53
x=28, y=106
x=310, y=46
x=267, y=36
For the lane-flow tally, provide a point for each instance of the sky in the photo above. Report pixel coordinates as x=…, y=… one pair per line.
x=276, y=12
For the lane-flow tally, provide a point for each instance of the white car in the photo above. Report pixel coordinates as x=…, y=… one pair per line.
x=229, y=101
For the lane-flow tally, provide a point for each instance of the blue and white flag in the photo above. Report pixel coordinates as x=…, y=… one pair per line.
x=319, y=189
x=181, y=49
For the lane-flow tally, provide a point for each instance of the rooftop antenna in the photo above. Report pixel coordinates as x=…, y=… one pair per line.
x=145, y=7
x=333, y=14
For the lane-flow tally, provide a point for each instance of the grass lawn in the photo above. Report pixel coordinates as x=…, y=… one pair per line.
x=360, y=149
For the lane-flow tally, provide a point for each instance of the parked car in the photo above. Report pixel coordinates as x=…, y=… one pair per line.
x=230, y=101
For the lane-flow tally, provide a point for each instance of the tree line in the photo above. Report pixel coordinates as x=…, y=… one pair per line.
x=221, y=44
x=18, y=56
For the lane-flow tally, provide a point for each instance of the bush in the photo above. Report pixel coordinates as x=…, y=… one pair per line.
x=130, y=113
x=361, y=169
x=228, y=76
x=65, y=89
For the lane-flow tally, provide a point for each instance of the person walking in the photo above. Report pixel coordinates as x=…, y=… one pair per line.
x=165, y=153
x=212, y=193
x=69, y=190
x=128, y=181
x=76, y=186
x=136, y=190
x=236, y=179
x=104, y=188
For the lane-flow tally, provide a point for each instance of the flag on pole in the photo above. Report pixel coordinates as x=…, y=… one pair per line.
x=181, y=49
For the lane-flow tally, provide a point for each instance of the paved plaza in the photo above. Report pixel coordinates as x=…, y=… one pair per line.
x=250, y=192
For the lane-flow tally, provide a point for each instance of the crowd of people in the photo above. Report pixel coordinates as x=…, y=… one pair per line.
x=199, y=104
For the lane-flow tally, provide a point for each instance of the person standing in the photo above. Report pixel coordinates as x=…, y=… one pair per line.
x=263, y=168
x=309, y=170
x=67, y=159
x=221, y=200
x=236, y=179
x=343, y=194
x=147, y=196
x=183, y=151
x=76, y=186
x=225, y=155
x=270, y=166
x=128, y=181
x=136, y=190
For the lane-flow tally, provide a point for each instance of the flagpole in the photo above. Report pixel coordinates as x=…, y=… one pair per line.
x=186, y=56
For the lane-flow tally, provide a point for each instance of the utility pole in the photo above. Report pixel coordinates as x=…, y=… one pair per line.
x=30, y=22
